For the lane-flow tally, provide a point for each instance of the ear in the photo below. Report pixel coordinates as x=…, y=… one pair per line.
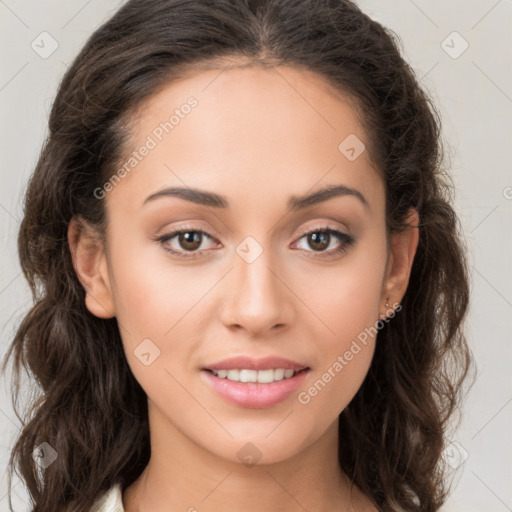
x=90, y=263
x=401, y=257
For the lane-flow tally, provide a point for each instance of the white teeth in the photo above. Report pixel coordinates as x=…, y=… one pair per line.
x=279, y=374
x=260, y=376
x=233, y=375
x=265, y=376
x=248, y=376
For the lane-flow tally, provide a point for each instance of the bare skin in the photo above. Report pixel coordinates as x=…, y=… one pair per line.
x=256, y=137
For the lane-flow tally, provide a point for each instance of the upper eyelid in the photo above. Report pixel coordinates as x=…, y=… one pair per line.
x=181, y=228
x=322, y=227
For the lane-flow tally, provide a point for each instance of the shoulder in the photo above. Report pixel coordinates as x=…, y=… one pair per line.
x=111, y=501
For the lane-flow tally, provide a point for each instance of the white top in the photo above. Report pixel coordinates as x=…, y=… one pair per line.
x=111, y=501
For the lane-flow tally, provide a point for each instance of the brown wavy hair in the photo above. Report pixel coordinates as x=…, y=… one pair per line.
x=87, y=404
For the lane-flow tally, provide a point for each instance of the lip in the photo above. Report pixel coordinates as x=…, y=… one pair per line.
x=253, y=395
x=249, y=363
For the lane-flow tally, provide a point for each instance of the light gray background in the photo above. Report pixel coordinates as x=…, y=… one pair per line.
x=474, y=93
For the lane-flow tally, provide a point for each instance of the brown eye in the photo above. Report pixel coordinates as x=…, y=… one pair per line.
x=319, y=240
x=190, y=240
x=184, y=242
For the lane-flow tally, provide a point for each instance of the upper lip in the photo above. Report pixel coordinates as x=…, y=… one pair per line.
x=249, y=363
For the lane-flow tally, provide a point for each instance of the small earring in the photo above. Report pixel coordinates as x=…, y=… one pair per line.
x=383, y=316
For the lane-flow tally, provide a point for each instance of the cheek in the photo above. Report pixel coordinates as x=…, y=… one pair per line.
x=151, y=295
x=346, y=303
x=345, y=298
x=335, y=384
x=162, y=302
x=346, y=346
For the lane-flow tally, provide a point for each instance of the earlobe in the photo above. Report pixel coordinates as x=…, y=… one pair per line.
x=89, y=260
x=403, y=250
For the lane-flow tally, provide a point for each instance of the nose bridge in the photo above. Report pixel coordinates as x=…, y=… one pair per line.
x=257, y=300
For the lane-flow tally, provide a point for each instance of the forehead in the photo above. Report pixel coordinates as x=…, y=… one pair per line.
x=246, y=130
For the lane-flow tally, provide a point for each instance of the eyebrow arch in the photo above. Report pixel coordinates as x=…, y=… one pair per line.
x=299, y=203
x=295, y=203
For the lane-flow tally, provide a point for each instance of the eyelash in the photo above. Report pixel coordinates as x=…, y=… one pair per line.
x=346, y=240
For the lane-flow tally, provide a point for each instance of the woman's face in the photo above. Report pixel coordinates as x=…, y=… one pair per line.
x=255, y=274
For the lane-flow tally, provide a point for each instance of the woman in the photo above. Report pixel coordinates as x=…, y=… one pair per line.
x=249, y=281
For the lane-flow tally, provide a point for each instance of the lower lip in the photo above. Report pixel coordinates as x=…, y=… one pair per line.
x=254, y=395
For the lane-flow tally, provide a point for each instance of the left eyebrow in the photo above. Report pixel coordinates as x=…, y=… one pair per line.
x=299, y=203
x=295, y=203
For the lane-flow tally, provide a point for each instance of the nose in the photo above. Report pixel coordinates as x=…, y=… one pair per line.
x=257, y=298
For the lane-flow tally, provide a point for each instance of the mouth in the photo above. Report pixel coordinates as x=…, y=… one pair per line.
x=252, y=383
